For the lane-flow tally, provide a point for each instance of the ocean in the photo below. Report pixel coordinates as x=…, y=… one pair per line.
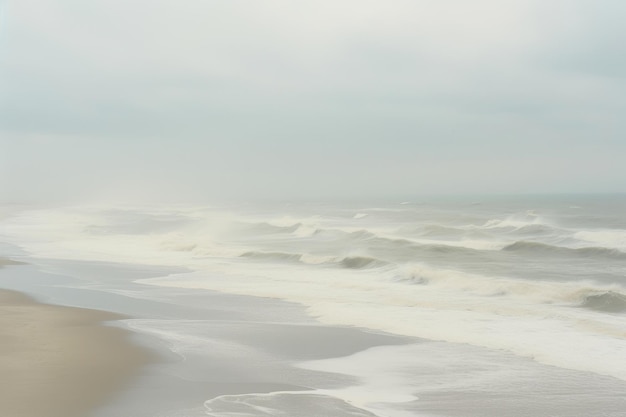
x=438, y=306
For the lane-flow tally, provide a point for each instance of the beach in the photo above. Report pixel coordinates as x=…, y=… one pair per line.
x=60, y=361
x=448, y=309
x=215, y=353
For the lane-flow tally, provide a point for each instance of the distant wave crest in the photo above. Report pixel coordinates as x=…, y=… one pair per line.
x=360, y=262
x=537, y=248
x=610, y=301
x=349, y=262
x=273, y=256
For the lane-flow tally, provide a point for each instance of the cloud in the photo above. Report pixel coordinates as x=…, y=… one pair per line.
x=263, y=91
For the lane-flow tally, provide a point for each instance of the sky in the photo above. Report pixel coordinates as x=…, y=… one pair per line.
x=207, y=99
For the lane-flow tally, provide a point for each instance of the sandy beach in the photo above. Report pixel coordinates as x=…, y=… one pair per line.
x=60, y=361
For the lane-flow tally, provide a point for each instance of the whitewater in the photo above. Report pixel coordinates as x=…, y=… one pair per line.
x=528, y=288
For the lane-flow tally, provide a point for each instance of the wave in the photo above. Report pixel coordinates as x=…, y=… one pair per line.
x=365, y=238
x=433, y=230
x=301, y=230
x=610, y=302
x=360, y=262
x=585, y=294
x=536, y=229
x=515, y=222
x=349, y=262
x=537, y=248
x=615, y=239
x=273, y=256
x=362, y=234
x=264, y=228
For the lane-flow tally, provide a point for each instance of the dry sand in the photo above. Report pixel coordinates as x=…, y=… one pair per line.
x=60, y=361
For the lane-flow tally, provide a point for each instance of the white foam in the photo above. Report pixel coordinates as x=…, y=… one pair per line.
x=305, y=231
x=572, y=338
x=513, y=222
x=391, y=377
x=384, y=373
x=282, y=403
x=317, y=259
x=476, y=244
x=613, y=239
x=75, y=234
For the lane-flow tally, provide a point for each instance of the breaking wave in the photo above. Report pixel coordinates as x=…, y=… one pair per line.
x=574, y=294
x=536, y=248
x=535, y=229
x=349, y=262
x=610, y=302
x=273, y=256
x=434, y=230
x=360, y=262
x=515, y=222
x=264, y=228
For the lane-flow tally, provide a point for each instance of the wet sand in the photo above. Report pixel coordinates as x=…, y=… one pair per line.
x=60, y=361
x=5, y=261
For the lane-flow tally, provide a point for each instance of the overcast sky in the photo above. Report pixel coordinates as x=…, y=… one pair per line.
x=205, y=99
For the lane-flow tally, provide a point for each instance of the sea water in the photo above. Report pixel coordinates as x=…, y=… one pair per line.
x=514, y=306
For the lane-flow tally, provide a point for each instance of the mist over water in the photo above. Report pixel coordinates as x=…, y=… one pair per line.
x=456, y=270
x=537, y=281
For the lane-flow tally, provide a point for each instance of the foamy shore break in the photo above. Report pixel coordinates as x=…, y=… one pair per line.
x=60, y=361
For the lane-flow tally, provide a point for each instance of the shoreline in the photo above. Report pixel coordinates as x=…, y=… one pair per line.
x=225, y=353
x=61, y=361
x=6, y=262
x=270, y=336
